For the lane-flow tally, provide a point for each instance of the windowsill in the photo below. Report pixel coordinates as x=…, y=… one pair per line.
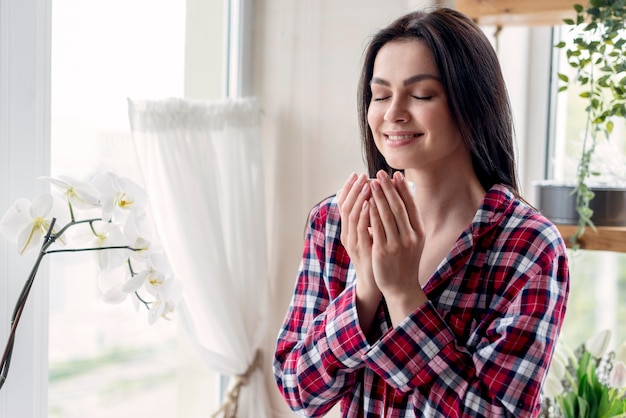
x=605, y=238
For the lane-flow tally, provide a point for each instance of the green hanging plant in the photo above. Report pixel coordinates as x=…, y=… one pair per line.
x=598, y=56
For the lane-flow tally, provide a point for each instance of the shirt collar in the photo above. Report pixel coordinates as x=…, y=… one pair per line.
x=496, y=203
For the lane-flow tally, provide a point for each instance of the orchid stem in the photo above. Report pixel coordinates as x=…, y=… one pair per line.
x=49, y=239
x=21, y=303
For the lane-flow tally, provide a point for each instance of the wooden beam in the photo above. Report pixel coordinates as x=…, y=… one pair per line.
x=517, y=12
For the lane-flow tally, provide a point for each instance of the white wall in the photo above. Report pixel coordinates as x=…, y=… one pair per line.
x=307, y=60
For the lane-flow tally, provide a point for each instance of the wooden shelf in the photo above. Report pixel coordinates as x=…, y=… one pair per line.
x=605, y=238
x=518, y=12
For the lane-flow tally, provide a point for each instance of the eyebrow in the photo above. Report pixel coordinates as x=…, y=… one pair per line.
x=411, y=80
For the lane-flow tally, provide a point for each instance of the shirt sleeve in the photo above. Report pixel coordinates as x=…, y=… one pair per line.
x=502, y=373
x=320, y=346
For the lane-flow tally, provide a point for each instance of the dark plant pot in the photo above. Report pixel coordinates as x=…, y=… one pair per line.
x=558, y=203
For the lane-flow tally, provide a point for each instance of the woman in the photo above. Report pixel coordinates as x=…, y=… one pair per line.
x=442, y=302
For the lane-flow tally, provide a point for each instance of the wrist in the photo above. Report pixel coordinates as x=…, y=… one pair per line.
x=404, y=304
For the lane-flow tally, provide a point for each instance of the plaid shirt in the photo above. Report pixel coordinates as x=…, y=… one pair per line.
x=480, y=347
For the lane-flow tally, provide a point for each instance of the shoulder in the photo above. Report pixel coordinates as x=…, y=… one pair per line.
x=324, y=218
x=525, y=227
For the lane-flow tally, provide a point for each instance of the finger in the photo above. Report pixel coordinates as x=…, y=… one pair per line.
x=364, y=227
x=407, y=194
x=396, y=207
x=376, y=224
x=351, y=207
x=388, y=227
x=342, y=193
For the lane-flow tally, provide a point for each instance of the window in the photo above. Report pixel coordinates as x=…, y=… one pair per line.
x=598, y=279
x=106, y=360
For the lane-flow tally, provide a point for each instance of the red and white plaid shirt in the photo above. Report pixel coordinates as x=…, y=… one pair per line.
x=480, y=347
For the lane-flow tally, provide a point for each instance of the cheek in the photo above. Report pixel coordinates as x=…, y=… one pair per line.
x=374, y=117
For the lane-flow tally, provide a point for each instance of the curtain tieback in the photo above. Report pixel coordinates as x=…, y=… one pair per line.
x=228, y=409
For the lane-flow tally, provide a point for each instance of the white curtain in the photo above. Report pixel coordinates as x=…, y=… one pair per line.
x=202, y=168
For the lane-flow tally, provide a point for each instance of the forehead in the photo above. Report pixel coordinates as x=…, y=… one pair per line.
x=404, y=57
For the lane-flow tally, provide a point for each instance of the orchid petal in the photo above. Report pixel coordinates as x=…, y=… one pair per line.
x=115, y=294
x=79, y=194
x=15, y=219
x=134, y=283
x=109, y=235
x=119, y=193
x=31, y=237
x=41, y=206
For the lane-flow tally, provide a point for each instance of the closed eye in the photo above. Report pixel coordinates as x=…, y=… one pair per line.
x=380, y=99
x=423, y=97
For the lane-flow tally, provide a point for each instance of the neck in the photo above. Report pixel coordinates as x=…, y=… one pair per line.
x=446, y=199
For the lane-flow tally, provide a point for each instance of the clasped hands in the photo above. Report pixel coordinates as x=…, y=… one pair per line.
x=382, y=231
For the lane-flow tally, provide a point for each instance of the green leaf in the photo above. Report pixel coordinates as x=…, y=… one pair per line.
x=578, y=7
x=609, y=126
x=585, y=95
x=565, y=78
x=562, y=88
x=560, y=45
x=569, y=22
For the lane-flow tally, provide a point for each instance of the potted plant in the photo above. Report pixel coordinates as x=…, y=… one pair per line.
x=589, y=382
x=598, y=58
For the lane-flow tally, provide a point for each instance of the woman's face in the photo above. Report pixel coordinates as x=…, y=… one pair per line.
x=408, y=113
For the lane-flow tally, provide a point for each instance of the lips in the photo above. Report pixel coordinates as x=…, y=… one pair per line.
x=401, y=138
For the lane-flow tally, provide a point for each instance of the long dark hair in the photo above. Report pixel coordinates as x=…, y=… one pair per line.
x=472, y=81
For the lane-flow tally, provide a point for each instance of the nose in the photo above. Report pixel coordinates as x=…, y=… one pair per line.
x=397, y=112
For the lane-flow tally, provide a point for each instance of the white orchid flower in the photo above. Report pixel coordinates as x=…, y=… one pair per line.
x=553, y=387
x=598, y=343
x=26, y=223
x=115, y=294
x=77, y=193
x=617, y=378
x=108, y=235
x=136, y=233
x=111, y=284
x=155, y=278
x=149, y=277
x=118, y=193
x=165, y=304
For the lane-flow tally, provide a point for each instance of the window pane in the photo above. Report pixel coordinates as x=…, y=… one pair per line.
x=598, y=279
x=106, y=360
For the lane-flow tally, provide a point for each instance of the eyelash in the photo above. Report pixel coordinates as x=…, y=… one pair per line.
x=380, y=99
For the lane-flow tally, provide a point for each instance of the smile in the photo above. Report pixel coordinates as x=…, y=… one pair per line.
x=401, y=137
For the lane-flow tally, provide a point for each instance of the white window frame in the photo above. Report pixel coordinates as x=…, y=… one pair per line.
x=525, y=56
x=24, y=156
